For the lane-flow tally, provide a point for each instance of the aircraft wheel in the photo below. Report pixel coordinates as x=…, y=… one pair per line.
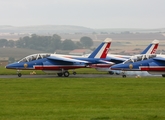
x=111, y=72
x=163, y=75
x=74, y=73
x=117, y=73
x=59, y=74
x=19, y=74
x=124, y=76
x=66, y=74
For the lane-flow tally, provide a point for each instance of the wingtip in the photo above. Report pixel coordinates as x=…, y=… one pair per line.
x=108, y=40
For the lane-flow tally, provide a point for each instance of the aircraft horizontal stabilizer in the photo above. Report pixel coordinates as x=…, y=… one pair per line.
x=155, y=42
x=118, y=59
x=159, y=59
x=107, y=40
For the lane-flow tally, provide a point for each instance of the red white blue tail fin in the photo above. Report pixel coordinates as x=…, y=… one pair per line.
x=102, y=50
x=151, y=49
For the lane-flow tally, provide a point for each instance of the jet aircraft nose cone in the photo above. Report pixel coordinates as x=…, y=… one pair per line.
x=11, y=66
x=8, y=66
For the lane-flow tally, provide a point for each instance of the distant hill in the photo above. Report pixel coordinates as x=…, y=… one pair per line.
x=46, y=29
x=133, y=30
x=69, y=29
x=132, y=36
x=76, y=32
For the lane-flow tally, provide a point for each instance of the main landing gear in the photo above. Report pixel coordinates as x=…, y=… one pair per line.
x=124, y=76
x=163, y=75
x=65, y=73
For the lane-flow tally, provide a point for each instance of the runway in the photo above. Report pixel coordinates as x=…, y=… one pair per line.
x=72, y=76
x=55, y=76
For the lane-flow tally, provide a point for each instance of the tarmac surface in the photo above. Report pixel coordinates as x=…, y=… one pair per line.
x=55, y=76
x=71, y=76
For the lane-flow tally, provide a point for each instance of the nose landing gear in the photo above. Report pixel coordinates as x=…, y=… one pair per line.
x=18, y=73
x=74, y=73
x=124, y=76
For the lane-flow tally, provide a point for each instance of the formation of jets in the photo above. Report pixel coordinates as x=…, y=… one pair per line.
x=147, y=61
x=116, y=59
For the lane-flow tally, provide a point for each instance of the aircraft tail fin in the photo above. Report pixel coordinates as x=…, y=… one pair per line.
x=102, y=50
x=151, y=49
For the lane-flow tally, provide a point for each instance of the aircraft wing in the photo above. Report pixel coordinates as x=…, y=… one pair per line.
x=64, y=59
x=117, y=60
x=159, y=59
x=105, y=62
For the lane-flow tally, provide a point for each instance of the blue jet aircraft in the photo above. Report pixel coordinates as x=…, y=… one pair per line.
x=60, y=64
x=153, y=64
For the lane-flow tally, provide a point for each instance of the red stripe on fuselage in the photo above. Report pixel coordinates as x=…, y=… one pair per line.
x=56, y=67
x=156, y=68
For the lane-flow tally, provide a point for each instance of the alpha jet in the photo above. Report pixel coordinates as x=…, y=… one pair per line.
x=152, y=63
x=60, y=64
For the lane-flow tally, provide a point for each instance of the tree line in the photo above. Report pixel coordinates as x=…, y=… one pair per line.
x=47, y=43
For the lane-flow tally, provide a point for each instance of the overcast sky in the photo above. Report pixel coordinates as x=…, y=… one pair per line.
x=87, y=13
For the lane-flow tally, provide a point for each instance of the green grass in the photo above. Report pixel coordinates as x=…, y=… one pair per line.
x=4, y=71
x=82, y=99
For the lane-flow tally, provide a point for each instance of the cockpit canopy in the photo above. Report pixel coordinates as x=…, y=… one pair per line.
x=141, y=57
x=34, y=57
